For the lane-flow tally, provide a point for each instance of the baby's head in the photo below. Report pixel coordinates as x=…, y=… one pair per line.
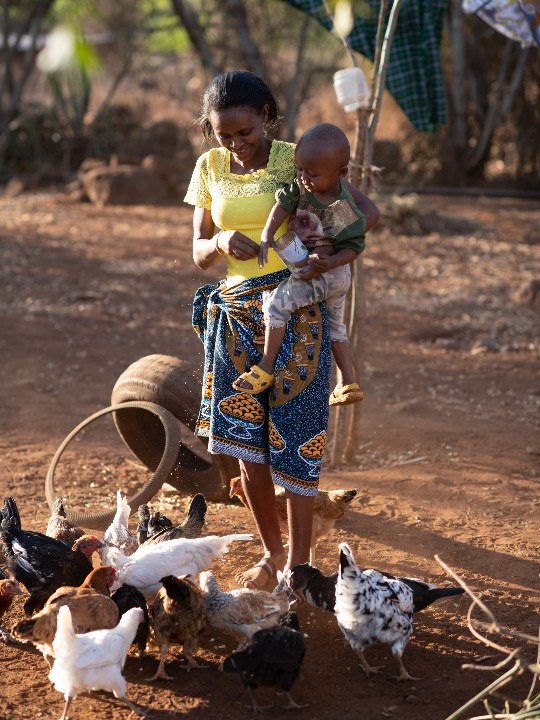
x=322, y=158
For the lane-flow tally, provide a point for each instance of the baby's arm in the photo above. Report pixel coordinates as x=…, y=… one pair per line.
x=367, y=206
x=276, y=218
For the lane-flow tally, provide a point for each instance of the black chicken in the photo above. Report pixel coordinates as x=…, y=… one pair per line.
x=272, y=659
x=42, y=564
x=320, y=590
x=142, y=528
x=160, y=528
x=127, y=597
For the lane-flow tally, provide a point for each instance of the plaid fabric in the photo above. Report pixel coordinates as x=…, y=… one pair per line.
x=415, y=76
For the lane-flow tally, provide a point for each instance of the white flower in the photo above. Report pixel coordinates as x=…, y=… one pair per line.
x=59, y=51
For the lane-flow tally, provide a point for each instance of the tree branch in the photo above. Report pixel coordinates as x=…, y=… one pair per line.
x=195, y=33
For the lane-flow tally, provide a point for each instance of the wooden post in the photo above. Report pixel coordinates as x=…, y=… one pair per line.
x=347, y=420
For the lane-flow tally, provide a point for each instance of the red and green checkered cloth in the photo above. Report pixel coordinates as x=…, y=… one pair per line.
x=415, y=76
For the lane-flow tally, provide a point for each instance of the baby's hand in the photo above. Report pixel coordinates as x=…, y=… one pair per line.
x=266, y=242
x=320, y=263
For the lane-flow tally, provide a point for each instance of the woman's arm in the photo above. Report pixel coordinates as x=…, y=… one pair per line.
x=368, y=207
x=209, y=245
x=276, y=218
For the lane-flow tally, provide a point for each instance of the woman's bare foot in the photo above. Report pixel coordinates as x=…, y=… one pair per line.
x=256, y=577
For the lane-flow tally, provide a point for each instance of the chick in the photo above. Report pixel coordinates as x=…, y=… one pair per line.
x=59, y=527
x=241, y=612
x=329, y=506
x=272, y=658
x=179, y=616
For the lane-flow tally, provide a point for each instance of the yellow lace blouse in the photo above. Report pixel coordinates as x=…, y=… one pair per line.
x=242, y=202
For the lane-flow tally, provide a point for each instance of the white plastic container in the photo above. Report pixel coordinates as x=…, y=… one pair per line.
x=351, y=88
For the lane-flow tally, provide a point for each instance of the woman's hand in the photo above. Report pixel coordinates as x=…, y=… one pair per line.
x=209, y=243
x=237, y=245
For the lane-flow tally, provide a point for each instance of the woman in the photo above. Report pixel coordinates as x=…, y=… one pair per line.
x=278, y=436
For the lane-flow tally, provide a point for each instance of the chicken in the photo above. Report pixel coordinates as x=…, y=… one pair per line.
x=371, y=608
x=127, y=597
x=320, y=590
x=9, y=587
x=93, y=661
x=179, y=616
x=42, y=564
x=142, y=528
x=241, y=612
x=329, y=506
x=90, y=605
x=118, y=534
x=145, y=568
x=159, y=530
x=272, y=658
x=60, y=528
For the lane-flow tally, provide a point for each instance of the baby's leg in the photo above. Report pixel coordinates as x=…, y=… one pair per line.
x=338, y=336
x=347, y=390
x=276, y=311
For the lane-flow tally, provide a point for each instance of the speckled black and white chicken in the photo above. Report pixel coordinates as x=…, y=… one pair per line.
x=320, y=590
x=371, y=608
x=118, y=535
x=241, y=612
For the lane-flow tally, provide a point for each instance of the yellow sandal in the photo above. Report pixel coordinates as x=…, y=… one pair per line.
x=257, y=378
x=346, y=394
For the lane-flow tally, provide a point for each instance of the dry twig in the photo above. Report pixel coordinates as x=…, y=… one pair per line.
x=530, y=707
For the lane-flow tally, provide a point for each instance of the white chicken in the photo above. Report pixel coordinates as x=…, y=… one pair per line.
x=373, y=608
x=93, y=661
x=118, y=534
x=241, y=612
x=145, y=568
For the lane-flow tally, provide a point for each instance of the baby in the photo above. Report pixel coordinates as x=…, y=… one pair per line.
x=332, y=228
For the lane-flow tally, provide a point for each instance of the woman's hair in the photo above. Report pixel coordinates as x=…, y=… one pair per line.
x=238, y=89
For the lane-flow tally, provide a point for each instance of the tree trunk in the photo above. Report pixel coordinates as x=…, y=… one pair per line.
x=195, y=32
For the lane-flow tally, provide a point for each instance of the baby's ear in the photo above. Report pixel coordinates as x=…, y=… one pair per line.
x=343, y=170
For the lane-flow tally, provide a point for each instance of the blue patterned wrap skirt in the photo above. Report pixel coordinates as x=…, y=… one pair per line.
x=286, y=425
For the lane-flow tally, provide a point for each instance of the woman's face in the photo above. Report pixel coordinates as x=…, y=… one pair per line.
x=241, y=131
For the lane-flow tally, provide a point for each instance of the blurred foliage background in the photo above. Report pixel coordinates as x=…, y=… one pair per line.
x=128, y=66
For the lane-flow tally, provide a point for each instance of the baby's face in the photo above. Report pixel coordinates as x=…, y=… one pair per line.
x=317, y=172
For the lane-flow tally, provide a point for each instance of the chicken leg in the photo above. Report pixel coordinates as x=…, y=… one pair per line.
x=368, y=669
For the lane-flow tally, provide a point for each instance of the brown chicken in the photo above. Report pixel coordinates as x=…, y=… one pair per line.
x=241, y=612
x=9, y=587
x=90, y=605
x=329, y=506
x=60, y=528
x=179, y=617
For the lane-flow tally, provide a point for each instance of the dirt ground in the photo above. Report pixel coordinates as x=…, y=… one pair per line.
x=448, y=461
